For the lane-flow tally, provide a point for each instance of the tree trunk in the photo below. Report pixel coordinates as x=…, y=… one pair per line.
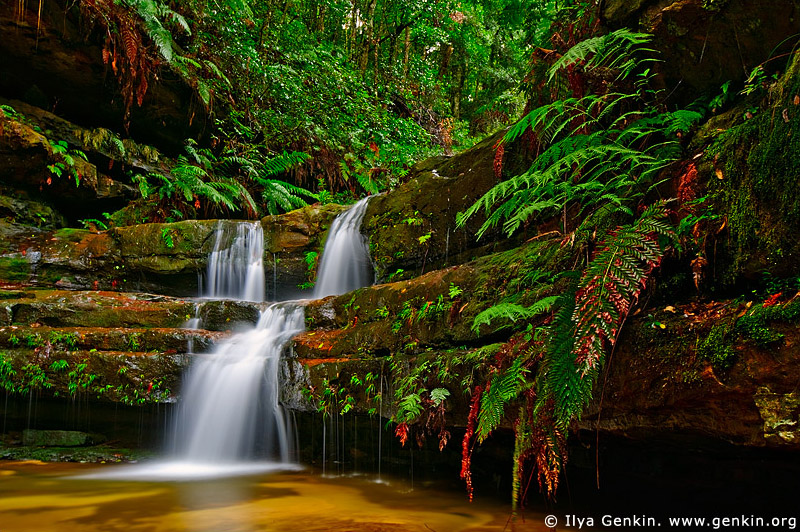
x=392, y=53
x=370, y=36
x=447, y=54
x=376, y=56
x=406, y=50
x=459, y=87
x=352, y=41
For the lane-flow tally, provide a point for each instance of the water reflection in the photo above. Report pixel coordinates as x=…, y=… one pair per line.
x=49, y=497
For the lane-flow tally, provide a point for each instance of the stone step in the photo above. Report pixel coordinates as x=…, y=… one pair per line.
x=103, y=309
x=154, y=340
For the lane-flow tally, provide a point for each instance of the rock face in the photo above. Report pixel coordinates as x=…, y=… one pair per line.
x=39, y=50
x=413, y=229
x=160, y=258
x=660, y=383
x=293, y=243
x=107, y=346
x=703, y=44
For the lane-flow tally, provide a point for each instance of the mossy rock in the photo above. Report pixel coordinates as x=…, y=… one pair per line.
x=28, y=212
x=14, y=268
x=133, y=378
x=65, y=339
x=751, y=171
x=166, y=248
x=58, y=308
x=413, y=228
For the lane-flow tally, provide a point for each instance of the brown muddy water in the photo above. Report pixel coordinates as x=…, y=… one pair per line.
x=37, y=496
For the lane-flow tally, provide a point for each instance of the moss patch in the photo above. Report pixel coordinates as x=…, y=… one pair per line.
x=754, y=185
x=14, y=269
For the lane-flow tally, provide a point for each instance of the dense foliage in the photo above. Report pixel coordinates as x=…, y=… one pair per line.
x=601, y=145
x=364, y=88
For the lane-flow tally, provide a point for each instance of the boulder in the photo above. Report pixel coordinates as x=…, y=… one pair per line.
x=413, y=228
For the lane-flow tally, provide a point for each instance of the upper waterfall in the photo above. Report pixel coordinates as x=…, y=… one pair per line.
x=236, y=265
x=345, y=263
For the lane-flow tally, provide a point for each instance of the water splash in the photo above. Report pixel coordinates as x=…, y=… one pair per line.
x=345, y=264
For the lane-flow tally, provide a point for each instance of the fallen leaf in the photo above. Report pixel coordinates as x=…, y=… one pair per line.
x=670, y=308
x=718, y=171
x=785, y=115
x=796, y=99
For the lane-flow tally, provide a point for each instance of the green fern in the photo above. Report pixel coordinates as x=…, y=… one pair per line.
x=282, y=163
x=513, y=312
x=599, y=150
x=614, y=51
x=592, y=313
x=280, y=195
x=503, y=388
x=409, y=408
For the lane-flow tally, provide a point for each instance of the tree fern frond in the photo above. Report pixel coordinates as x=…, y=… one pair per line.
x=204, y=91
x=185, y=60
x=284, y=195
x=217, y=72
x=612, y=51
x=503, y=388
x=617, y=274
x=282, y=163
x=161, y=37
x=179, y=20
x=513, y=312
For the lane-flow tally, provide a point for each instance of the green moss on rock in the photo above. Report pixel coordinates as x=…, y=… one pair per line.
x=754, y=186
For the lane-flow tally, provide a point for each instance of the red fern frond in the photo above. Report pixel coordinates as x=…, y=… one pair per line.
x=130, y=38
x=141, y=90
x=500, y=150
x=688, y=184
x=466, y=450
x=612, y=283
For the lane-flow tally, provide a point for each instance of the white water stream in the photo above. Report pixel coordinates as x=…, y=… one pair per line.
x=230, y=419
x=344, y=264
x=236, y=266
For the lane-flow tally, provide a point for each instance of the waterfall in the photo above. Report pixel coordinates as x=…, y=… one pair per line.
x=230, y=414
x=230, y=397
x=345, y=264
x=236, y=266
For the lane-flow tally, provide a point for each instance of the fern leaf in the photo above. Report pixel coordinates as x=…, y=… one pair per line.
x=612, y=51
x=217, y=72
x=204, y=91
x=513, y=312
x=503, y=388
x=282, y=163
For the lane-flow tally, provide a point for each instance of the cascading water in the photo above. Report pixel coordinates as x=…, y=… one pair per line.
x=345, y=263
x=230, y=399
x=230, y=412
x=236, y=266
